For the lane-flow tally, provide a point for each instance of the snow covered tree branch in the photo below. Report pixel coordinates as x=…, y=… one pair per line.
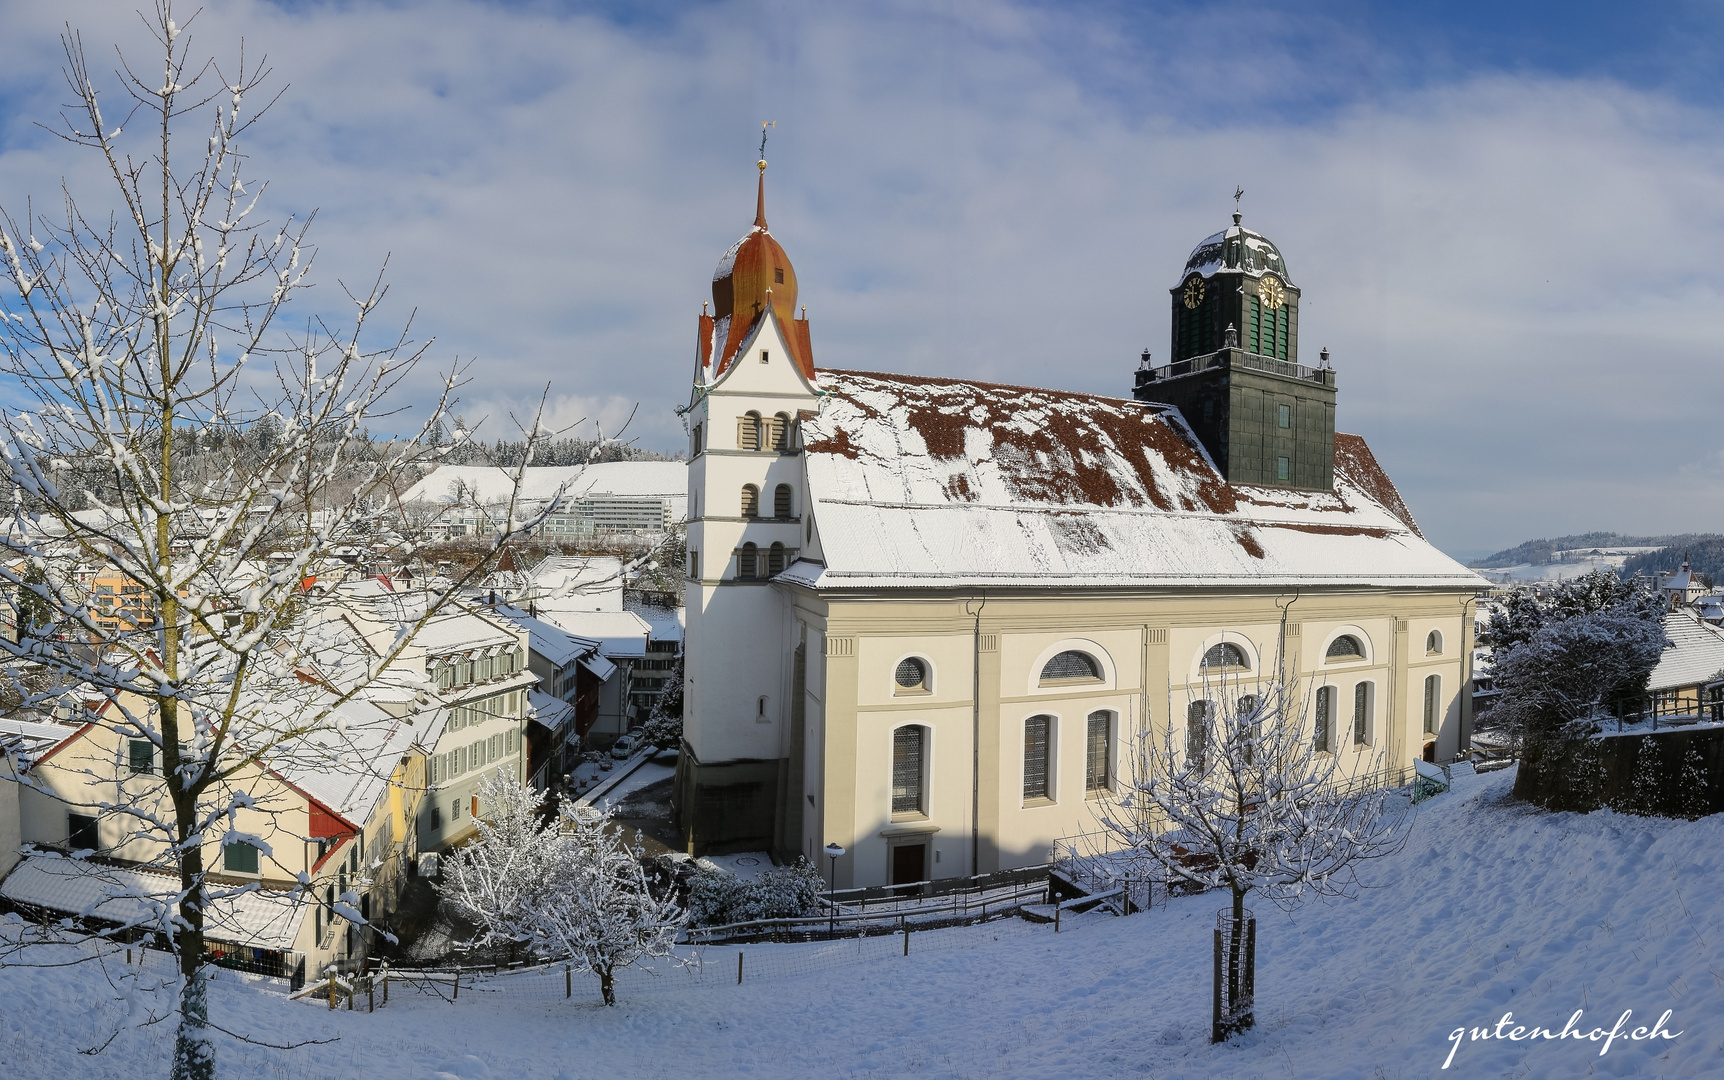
x=570, y=887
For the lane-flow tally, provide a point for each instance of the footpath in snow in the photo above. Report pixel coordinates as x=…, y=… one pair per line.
x=1493, y=907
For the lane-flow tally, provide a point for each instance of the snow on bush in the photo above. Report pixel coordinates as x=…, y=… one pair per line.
x=717, y=897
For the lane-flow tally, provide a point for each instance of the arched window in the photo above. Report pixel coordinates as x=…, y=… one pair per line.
x=1433, y=692
x=748, y=431
x=1345, y=647
x=780, y=432
x=1098, y=753
x=1071, y=665
x=1362, y=714
x=1433, y=643
x=1038, y=756
x=1224, y=655
x=909, y=775
x=1196, y=730
x=750, y=501
x=747, y=562
x=781, y=501
x=911, y=674
x=775, y=559
x=1323, y=742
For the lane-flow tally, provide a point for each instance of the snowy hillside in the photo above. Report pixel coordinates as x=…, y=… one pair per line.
x=1492, y=907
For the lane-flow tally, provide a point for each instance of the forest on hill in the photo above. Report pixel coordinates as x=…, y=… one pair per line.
x=1705, y=552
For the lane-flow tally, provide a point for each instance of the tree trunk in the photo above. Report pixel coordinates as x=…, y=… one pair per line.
x=605, y=986
x=194, y=1053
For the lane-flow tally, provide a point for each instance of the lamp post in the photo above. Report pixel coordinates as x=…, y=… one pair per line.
x=832, y=853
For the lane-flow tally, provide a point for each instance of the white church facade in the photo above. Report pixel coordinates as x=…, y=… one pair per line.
x=927, y=617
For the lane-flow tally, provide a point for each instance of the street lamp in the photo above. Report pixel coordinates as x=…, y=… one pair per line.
x=832, y=852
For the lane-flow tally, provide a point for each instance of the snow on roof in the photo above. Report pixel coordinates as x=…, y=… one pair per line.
x=346, y=763
x=547, y=710
x=667, y=623
x=947, y=482
x=1695, y=656
x=555, y=645
x=461, y=630
x=489, y=485
x=619, y=633
x=578, y=582
x=601, y=668
x=264, y=919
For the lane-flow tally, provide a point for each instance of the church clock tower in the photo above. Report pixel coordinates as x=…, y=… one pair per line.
x=1265, y=418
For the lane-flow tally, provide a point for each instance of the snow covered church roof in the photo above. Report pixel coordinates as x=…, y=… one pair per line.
x=942, y=482
x=1236, y=248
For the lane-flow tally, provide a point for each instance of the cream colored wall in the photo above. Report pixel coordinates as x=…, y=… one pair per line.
x=1151, y=647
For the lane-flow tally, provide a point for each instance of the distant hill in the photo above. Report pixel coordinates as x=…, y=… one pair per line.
x=1540, y=552
x=1705, y=553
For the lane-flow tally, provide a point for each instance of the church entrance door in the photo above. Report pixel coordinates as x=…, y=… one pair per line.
x=907, y=863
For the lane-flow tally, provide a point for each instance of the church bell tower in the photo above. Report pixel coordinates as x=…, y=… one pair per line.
x=1235, y=374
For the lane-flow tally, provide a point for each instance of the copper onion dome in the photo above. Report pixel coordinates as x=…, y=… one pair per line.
x=753, y=275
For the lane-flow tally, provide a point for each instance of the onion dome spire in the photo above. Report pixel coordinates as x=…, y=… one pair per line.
x=753, y=277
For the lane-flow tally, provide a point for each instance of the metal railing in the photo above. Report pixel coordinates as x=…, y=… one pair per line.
x=884, y=914
x=1221, y=358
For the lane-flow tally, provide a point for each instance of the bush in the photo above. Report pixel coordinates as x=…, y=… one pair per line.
x=716, y=897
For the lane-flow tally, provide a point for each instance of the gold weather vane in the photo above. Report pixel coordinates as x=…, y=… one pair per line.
x=764, y=124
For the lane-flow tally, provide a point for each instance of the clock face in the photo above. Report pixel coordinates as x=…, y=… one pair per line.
x=1270, y=292
x=1193, y=291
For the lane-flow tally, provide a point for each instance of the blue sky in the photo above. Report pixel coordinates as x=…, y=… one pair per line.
x=1503, y=216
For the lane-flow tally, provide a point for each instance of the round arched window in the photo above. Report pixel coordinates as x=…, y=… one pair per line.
x=1071, y=664
x=911, y=674
x=1345, y=647
x=1224, y=655
x=1434, y=642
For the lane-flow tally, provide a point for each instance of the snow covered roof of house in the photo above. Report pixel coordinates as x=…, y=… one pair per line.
x=547, y=710
x=262, y=919
x=457, y=631
x=578, y=582
x=619, y=633
x=667, y=623
x=945, y=482
x=488, y=485
x=1696, y=653
x=345, y=764
x=557, y=646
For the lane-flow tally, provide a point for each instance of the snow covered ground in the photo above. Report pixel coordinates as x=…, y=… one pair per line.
x=1492, y=907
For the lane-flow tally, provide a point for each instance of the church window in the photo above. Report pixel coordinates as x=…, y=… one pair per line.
x=1098, y=753
x=1283, y=468
x=781, y=501
x=1071, y=665
x=1284, y=416
x=1434, y=643
x=694, y=565
x=750, y=501
x=1345, y=647
x=911, y=674
x=1325, y=718
x=774, y=559
x=1038, y=751
x=1362, y=714
x=1224, y=655
x=747, y=562
x=780, y=432
x=765, y=356
x=1196, y=730
x=909, y=779
x=1433, y=691
x=694, y=442
x=748, y=432
x=778, y=275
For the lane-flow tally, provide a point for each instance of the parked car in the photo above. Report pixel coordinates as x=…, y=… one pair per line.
x=626, y=746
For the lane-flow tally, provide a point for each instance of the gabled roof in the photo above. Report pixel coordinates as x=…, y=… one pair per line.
x=945, y=482
x=1695, y=655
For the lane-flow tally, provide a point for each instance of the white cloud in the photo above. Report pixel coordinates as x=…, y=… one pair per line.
x=1517, y=275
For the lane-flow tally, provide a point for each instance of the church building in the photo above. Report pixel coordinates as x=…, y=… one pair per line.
x=927, y=616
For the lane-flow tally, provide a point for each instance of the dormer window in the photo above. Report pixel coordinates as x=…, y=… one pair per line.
x=765, y=356
x=778, y=275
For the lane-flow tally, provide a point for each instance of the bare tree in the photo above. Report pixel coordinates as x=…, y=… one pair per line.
x=137, y=334
x=1249, y=798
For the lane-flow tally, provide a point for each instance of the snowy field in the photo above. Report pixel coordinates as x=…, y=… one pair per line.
x=1492, y=907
